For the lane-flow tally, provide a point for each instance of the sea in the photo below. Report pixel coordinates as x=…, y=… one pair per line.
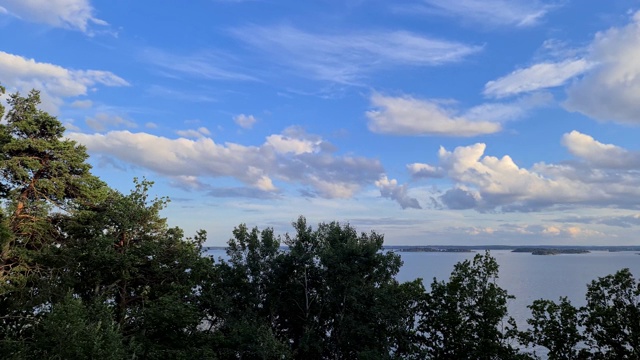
x=528, y=277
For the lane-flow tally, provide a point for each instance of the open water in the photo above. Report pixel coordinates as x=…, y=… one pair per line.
x=528, y=277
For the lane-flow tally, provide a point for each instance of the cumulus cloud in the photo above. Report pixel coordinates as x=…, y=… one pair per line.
x=520, y=13
x=244, y=121
x=460, y=199
x=55, y=82
x=539, y=76
x=599, y=154
x=346, y=58
x=425, y=171
x=611, y=90
x=488, y=183
x=295, y=140
x=258, y=167
x=69, y=14
x=390, y=189
x=409, y=116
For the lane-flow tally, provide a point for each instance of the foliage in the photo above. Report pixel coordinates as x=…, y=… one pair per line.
x=42, y=180
x=332, y=294
x=612, y=316
x=466, y=317
x=42, y=177
x=73, y=330
x=123, y=253
x=556, y=327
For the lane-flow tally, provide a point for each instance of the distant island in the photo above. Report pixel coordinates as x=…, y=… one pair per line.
x=433, y=249
x=533, y=249
x=550, y=251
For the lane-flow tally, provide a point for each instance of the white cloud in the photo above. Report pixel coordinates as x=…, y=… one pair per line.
x=408, y=116
x=55, y=82
x=599, y=154
x=610, y=92
x=203, y=65
x=425, y=171
x=103, y=121
x=521, y=13
x=284, y=144
x=188, y=95
x=390, y=189
x=324, y=174
x=600, y=177
x=82, y=104
x=70, y=126
x=555, y=230
x=536, y=77
x=245, y=121
x=507, y=111
x=70, y=14
x=201, y=132
x=345, y=58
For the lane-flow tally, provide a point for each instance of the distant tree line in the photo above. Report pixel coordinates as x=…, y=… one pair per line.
x=87, y=272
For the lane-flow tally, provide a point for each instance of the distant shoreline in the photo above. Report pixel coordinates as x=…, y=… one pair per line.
x=564, y=249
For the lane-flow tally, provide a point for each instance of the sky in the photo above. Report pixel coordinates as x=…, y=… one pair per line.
x=429, y=121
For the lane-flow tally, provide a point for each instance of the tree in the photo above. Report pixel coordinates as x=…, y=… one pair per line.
x=466, y=317
x=75, y=330
x=612, y=316
x=238, y=298
x=331, y=295
x=39, y=172
x=556, y=326
x=121, y=252
x=43, y=178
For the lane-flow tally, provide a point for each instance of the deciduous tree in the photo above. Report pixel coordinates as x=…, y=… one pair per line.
x=466, y=317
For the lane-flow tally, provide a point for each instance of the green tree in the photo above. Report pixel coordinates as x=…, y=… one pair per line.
x=466, y=317
x=360, y=317
x=331, y=295
x=43, y=178
x=238, y=298
x=73, y=330
x=556, y=327
x=39, y=172
x=612, y=316
x=121, y=252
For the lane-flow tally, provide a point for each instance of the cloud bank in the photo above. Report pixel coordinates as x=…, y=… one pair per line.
x=602, y=175
x=293, y=157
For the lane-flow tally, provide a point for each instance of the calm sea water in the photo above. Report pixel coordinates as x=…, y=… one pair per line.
x=527, y=277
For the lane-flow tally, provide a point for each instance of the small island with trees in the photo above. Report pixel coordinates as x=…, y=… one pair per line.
x=432, y=249
x=550, y=251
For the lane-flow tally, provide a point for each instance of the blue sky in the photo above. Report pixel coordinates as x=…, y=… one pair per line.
x=431, y=121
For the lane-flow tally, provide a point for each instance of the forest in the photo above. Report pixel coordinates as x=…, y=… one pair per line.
x=88, y=272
